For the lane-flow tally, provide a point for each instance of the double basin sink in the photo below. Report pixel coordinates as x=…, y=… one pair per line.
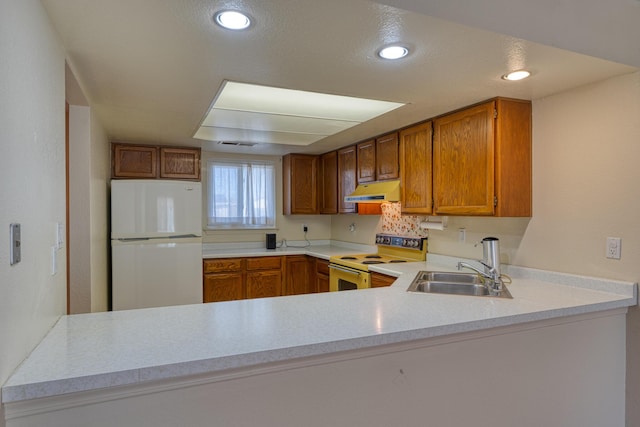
x=453, y=283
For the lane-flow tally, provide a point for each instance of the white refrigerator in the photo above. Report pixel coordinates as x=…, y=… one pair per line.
x=156, y=243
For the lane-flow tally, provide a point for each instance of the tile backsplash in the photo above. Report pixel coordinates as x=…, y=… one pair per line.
x=393, y=222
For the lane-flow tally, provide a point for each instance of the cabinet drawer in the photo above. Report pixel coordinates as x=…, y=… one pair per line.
x=264, y=263
x=222, y=264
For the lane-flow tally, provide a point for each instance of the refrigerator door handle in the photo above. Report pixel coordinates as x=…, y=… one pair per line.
x=143, y=239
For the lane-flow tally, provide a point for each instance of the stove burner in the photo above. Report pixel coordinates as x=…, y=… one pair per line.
x=348, y=257
x=397, y=260
x=373, y=262
x=373, y=256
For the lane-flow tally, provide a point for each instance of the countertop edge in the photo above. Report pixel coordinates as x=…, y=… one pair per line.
x=141, y=376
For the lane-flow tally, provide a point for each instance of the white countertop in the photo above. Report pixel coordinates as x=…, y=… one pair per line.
x=321, y=249
x=94, y=351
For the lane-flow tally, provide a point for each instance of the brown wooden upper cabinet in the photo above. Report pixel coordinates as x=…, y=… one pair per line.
x=179, y=163
x=482, y=160
x=378, y=159
x=416, y=196
x=134, y=161
x=347, y=165
x=153, y=162
x=387, y=163
x=328, y=188
x=366, y=161
x=300, y=184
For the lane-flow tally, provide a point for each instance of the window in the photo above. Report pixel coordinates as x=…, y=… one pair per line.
x=241, y=194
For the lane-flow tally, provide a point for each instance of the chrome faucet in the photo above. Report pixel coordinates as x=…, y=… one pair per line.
x=490, y=262
x=489, y=273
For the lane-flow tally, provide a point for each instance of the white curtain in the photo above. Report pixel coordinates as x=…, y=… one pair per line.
x=241, y=194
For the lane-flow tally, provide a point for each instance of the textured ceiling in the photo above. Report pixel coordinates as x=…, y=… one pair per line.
x=151, y=68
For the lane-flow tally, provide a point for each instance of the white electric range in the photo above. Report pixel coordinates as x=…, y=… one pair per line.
x=350, y=272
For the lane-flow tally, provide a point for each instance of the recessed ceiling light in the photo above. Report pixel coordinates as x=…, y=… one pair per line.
x=233, y=20
x=393, y=52
x=516, y=75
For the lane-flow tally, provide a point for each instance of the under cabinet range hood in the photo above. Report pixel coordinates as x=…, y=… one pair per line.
x=375, y=192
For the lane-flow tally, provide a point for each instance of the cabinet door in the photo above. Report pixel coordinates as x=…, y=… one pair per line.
x=322, y=282
x=513, y=158
x=322, y=275
x=134, y=161
x=180, y=163
x=328, y=188
x=379, y=280
x=300, y=184
x=415, y=169
x=267, y=283
x=366, y=161
x=297, y=275
x=463, y=162
x=223, y=287
x=387, y=163
x=346, y=178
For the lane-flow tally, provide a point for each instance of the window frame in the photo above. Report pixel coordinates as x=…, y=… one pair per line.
x=209, y=193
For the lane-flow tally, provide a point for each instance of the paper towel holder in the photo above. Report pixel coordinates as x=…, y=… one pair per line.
x=435, y=223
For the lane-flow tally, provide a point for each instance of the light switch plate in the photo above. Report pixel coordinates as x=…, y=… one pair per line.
x=59, y=235
x=15, y=251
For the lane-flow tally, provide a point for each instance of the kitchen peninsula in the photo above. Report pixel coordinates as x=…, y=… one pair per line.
x=553, y=355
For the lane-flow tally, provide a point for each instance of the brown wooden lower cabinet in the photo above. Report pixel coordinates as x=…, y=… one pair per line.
x=262, y=284
x=322, y=275
x=223, y=287
x=297, y=274
x=379, y=280
x=223, y=279
x=227, y=279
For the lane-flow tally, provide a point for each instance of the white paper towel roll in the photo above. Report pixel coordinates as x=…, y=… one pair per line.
x=434, y=223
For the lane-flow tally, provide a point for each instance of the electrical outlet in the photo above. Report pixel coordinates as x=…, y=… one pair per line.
x=614, y=248
x=305, y=228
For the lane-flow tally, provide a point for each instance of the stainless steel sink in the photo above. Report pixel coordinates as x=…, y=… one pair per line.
x=452, y=283
x=446, y=276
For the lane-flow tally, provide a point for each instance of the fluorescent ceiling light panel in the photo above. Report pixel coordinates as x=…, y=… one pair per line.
x=255, y=136
x=274, y=122
x=292, y=117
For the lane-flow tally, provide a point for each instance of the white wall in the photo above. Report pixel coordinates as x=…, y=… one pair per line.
x=89, y=176
x=100, y=215
x=79, y=210
x=365, y=228
x=32, y=177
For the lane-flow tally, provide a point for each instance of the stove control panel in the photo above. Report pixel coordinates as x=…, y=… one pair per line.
x=400, y=241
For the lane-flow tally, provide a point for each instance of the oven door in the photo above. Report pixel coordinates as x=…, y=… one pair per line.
x=343, y=278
